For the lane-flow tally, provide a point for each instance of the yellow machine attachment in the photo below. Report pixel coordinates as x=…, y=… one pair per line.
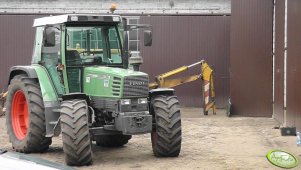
x=206, y=75
x=2, y=102
x=3, y=95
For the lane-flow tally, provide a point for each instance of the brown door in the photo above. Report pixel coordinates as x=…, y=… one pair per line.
x=251, y=57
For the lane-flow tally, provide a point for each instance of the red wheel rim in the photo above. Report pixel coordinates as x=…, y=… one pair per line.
x=19, y=115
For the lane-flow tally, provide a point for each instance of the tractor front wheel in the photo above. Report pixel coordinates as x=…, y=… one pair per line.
x=25, y=117
x=166, y=135
x=75, y=133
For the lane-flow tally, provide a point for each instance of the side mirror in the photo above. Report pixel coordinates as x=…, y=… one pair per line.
x=148, y=38
x=49, y=37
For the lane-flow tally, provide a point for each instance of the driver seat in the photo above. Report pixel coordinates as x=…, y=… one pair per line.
x=73, y=57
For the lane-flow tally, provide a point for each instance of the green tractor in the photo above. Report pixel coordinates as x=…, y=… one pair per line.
x=84, y=84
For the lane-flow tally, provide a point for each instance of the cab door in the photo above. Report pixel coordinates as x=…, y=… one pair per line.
x=51, y=58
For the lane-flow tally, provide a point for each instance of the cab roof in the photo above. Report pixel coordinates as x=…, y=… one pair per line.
x=73, y=18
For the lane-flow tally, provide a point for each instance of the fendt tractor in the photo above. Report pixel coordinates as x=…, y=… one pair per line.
x=84, y=84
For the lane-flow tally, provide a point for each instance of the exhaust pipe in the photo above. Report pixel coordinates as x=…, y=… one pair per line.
x=135, y=60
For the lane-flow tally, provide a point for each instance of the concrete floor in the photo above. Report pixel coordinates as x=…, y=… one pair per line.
x=209, y=142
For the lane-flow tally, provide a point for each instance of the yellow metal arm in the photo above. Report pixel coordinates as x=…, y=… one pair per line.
x=206, y=71
x=174, y=82
x=162, y=81
x=206, y=75
x=173, y=72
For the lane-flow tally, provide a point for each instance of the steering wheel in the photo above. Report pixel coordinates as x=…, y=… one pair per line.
x=91, y=52
x=86, y=52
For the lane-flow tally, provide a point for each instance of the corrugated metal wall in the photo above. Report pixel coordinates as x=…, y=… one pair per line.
x=294, y=63
x=177, y=41
x=183, y=40
x=279, y=60
x=16, y=43
x=251, y=57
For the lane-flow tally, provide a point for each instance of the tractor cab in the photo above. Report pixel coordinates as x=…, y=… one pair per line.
x=72, y=42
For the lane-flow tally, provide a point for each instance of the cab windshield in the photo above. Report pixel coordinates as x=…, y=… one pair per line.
x=96, y=45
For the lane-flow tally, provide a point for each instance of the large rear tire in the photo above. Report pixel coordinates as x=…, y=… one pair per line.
x=25, y=116
x=75, y=133
x=166, y=136
x=112, y=140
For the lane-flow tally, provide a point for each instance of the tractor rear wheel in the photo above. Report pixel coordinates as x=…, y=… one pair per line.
x=25, y=117
x=112, y=140
x=75, y=133
x=166, y=135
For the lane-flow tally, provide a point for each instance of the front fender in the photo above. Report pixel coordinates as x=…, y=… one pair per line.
x=161, y=91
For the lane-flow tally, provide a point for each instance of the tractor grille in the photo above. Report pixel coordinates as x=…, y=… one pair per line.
x=135, y=86
x=104, y=103
x=116, y=86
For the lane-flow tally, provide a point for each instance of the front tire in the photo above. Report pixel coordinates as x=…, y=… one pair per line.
x=75, y=133
x=166, y=136
x=25, y=116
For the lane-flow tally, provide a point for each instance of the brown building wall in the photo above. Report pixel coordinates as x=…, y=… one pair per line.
x=293, y=64
x=177, y=41
x=251, y=57
x=183, y=40
x=279, y=60
x=16, y=43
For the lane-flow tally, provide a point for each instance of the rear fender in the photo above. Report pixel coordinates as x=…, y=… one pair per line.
x=40, y=73
x=17, y=70
x=47, y=87
x=49, y=94
x=51, y=102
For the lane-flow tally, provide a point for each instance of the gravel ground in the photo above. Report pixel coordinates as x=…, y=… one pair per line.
x=209, y=142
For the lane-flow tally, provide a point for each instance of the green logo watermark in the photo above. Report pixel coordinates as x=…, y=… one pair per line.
x=282, y=159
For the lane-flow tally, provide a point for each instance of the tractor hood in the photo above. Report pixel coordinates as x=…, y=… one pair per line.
x=120, y=72
x=114, y=82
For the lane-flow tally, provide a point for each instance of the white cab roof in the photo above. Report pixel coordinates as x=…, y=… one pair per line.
x=59, y=19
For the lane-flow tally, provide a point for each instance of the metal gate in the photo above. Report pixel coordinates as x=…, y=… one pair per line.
x=279, y=61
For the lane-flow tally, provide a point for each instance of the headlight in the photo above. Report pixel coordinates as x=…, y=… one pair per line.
x=142, y=101
x=125, y=101
x=116, y=19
